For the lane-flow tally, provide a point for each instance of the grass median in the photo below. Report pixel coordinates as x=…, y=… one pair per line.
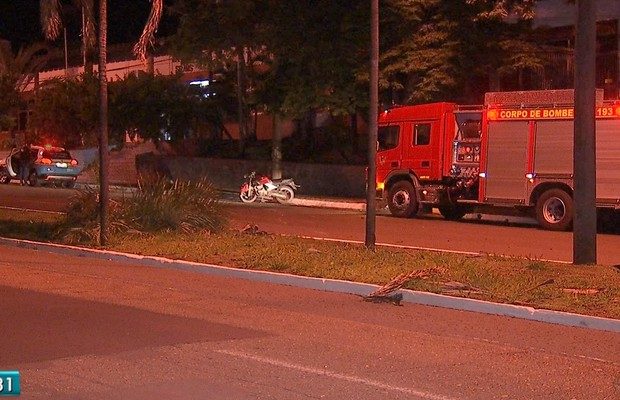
x=591, y=290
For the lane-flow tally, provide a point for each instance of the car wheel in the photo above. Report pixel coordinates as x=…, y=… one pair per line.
x=33, y=180
x=402, y=200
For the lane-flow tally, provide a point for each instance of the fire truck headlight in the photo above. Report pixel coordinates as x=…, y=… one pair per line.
x=380, y=185
x=530, y=175
x=482, y=175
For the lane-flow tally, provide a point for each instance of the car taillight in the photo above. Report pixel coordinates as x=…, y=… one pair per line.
x=46, y=161
x=74, y=162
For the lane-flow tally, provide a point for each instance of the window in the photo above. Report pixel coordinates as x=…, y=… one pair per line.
x=56, y=154
x=469, y=126
x=421, y=134
x=387, y=136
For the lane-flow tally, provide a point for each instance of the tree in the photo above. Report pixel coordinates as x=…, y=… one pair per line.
x=53, y=22
x=232, y=42
x=446, y=47
x=156, y=105
x=17, y=72
x=50, y=17
x=66, y=111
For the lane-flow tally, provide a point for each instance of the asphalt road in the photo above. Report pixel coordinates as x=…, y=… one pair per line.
x=428, y=232
x=79, y=328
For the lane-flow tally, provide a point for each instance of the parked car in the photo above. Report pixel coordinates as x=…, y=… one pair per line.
x=51, y=165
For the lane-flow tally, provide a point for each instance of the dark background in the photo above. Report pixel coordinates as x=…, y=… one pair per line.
x=19, y=21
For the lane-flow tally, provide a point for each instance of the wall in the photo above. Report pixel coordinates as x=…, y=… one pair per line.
x=315, y=179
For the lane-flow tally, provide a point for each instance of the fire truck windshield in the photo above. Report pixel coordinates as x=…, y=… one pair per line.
x=469, y=125
x=387, y=137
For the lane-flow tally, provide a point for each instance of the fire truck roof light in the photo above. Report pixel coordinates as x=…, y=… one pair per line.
x=617, y=110
x=492, y=114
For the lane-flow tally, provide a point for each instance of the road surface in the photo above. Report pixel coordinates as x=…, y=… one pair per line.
x=429, y=232
x=79, y=328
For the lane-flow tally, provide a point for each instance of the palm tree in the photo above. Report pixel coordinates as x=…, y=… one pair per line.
x=17, y=72
x=53, y=24
x=50, y=14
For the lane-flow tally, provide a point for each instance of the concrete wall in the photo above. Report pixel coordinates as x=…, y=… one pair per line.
x=315, y=179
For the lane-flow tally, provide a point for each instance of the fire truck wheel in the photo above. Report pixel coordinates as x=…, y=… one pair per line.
x=554, y=210
x=402, y=200
x=452, y=212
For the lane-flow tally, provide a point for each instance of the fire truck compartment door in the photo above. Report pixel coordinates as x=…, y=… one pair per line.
x=506, y=160
x=607, y=159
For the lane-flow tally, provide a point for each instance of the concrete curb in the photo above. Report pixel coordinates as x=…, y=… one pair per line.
x=332, y=285
x=343, y=205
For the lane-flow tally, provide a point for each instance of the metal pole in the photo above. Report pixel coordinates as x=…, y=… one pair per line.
x=276, y=148
x=66, y=57
x=584, y=230
x=372, y=127
x=84, y=39
x=103, y=125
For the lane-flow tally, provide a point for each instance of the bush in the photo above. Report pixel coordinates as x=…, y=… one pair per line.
x=158, y=205
x=161, y=204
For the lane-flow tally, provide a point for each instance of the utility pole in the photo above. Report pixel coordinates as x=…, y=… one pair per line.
x=372, y=127
x=104, y=201
x=84, y=39
x=66, y=56
x=276, y=147
x=584, y=153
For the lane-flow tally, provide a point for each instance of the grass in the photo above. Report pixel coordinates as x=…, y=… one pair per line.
x=515, y=281
x=28, y=224
x=592, y=290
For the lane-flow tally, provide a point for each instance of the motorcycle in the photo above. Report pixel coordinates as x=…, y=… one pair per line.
x=265, y=189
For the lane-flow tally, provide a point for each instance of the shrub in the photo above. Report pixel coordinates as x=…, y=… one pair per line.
x=161, y=204
x=158, y=205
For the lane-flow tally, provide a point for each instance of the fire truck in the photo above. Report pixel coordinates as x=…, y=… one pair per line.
x=514, y=152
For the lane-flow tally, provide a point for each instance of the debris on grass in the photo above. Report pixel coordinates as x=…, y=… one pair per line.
x=386, y=293
x=252, y=229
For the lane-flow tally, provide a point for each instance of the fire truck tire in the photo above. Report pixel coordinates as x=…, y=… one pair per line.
x=402, y=200
x=554, y=210
x=452, y=212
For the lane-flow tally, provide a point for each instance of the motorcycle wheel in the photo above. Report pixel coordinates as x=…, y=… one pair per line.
x=288, y=192
x=246, y=197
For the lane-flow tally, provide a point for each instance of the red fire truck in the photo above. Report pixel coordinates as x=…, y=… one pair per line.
x=515, y=152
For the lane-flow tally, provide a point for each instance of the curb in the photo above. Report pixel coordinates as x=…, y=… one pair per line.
x=332, y=285
x=343, y=205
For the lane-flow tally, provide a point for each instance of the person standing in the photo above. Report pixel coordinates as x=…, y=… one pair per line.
x=24, y=164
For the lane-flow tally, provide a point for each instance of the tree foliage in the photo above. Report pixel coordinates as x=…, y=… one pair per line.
x=65, y=112
x=155, y=105
x=449, y=50
x=17, y=71
x=317, y=52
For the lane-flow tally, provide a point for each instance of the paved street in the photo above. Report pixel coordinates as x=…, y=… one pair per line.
x=429, y=232
x=80, y=328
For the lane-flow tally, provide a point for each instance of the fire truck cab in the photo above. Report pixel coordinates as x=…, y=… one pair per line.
x=513, y=153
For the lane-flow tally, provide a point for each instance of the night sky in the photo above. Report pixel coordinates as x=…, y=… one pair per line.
x=19, y=21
